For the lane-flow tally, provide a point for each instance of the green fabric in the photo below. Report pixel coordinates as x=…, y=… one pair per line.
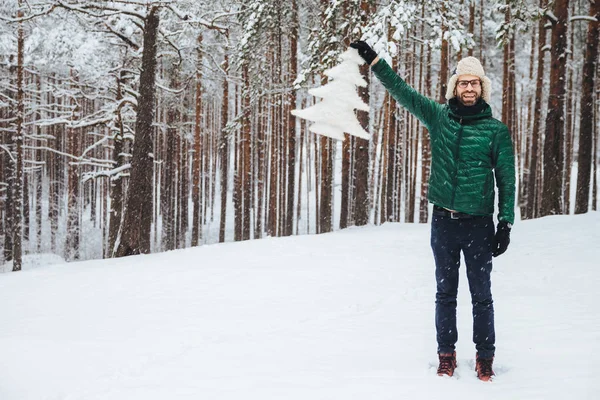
x=466, y=152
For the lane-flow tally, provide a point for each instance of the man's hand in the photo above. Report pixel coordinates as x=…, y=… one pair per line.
x=502, y=238
x=364, y=50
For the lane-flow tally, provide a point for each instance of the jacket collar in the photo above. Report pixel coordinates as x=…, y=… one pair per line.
x=460, y=112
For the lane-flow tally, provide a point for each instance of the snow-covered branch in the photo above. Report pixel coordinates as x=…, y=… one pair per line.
x=7, y=150
x=587, y=18
x=550, y=15
x=93, y=146
x=105, y=174
x=91, y=7
x=201, y=21
x=50, y=149
x=124, y=38
x=31, y=16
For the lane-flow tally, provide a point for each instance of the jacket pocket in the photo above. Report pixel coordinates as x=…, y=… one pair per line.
x=487, y=194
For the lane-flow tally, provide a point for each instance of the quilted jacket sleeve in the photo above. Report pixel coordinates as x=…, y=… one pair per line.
x=504, y=160
x=425, y=109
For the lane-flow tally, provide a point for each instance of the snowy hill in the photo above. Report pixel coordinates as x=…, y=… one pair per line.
x=347, y=315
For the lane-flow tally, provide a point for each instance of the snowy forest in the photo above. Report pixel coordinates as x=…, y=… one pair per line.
x=138, y=126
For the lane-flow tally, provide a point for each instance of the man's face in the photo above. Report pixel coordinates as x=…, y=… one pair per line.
x=468, y=89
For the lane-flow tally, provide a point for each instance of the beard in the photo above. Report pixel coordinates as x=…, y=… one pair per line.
x=469, y=98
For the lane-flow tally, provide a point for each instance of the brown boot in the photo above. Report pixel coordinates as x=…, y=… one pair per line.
x=447, y=364
x=483, y=366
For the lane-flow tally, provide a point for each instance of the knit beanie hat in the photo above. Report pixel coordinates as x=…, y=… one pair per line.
x=470, y=66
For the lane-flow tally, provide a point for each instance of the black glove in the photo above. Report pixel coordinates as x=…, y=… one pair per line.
x=502, y=238
x=364, y=50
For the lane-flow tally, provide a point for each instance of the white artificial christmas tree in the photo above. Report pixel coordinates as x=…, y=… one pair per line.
x=334, y=115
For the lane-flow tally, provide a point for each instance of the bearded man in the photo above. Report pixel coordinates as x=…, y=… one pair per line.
x=470, y=151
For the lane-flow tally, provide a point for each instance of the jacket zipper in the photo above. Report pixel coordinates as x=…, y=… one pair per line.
x=456, y=158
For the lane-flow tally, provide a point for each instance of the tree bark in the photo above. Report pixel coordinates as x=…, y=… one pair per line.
x=17, y=227
x=135, y=238
x=533, y=189
x=471, y=25
x=196, y=228
x=224, y=151
x=246, y=165
x=117, y=182
x=291, y=158
x=555, y=129
x=326, y=198
x=426, y=152
x=73, y=192
x=587, y=120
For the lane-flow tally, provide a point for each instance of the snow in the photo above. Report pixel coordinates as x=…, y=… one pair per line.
x=346, y=315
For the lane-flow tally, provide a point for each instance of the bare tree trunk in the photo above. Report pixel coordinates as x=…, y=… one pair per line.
x=9, y=205
x=527, y=117
x=273, y=175
x=116, y=182
x=346, y=192
x=326, y=175
x=17, y=227
x=184, y=194
x=39, y=181
x=534, y=171
x=471, y=25
x=481, y=21
x=385, y=165
x=361, y=161
x=169, y=183
x=587, y=120
x=554, y=133
x=224, y=151
x=444, y=56
x=73, y=204
x=300, y=174
x=246, y=164
x=196, y=230
x=571, y=111
x=426, y=152
x=135, y=237
x=55, y=178
x=506, y=82
x=413, y=134
x=595, y=151
x=394, y=159
x=318, y=161
x=291, y=158
x=261, y=167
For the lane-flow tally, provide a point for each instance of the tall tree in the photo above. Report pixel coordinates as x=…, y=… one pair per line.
x=224, y=149
x=291, y=128
x=555, y=128
x=135, y=236
x=533, y=188
x=361, y=164
x=73, y=192
x=117, y=184
x=196, y=230
x=17, y=220
x=587, y=120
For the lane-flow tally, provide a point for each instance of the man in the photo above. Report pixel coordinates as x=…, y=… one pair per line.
x=468, y=147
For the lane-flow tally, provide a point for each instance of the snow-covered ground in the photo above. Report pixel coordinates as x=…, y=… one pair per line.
x=347, y=315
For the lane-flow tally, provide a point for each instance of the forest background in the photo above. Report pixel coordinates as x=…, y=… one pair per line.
x=131, y=127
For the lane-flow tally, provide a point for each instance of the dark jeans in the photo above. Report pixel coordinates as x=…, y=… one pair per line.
x=474, y=237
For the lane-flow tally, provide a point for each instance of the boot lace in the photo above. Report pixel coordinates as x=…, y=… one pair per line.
x=447, y=364
x=485, y=367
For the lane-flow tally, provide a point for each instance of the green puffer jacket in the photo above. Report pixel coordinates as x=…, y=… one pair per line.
x=465, y=152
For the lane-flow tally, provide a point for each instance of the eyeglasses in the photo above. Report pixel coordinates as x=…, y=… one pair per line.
x=464, y=84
